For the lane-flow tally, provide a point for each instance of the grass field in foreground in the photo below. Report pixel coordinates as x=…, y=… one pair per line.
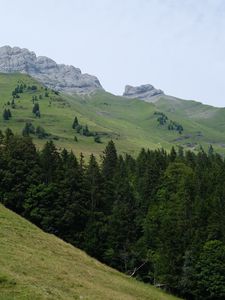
x=39, y=266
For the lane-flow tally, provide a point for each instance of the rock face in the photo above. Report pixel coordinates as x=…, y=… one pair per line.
x=144, y=92
x=56, y=76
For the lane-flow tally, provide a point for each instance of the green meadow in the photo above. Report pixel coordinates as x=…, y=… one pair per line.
x=131, y=123
x=36, y=265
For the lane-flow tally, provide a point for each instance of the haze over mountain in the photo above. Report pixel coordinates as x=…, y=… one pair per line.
x=59, y=77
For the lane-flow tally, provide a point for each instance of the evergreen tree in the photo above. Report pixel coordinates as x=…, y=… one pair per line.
x=173, y=154
x=86, y=131
x=122, y=226
x=36, y=109
x=95, y=233
x=159, y=216
x=8, y=135
x=50, y=161
x=6, y=114
x=109, y=160
x=40, y=132
x=75, y=123
x=109, y=164
x=79, y=128
x=9, y=113
x=21, y=163
x=28, y=129
x=170, y=222
x=1, y=137
x=97, y=139
x=210, y=271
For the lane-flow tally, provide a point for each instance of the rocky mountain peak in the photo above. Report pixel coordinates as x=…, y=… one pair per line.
x=144, y=92
x=59, y=77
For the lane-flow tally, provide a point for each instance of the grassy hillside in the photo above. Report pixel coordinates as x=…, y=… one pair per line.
x=130, y=123
x=204, y=124
x=35, y=265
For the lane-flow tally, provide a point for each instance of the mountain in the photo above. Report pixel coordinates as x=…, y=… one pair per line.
x=144, y=92
x=37, y=265
x=59, y=77
x=131, y=123
x=158, y=121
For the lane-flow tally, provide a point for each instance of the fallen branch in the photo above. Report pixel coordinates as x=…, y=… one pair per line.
x=136, y=269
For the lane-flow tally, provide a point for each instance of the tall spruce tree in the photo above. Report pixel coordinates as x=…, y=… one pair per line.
x=75, y=123
x=50, y=162
x=109, y=160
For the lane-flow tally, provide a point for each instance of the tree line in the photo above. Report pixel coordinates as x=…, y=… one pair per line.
x=158, y=217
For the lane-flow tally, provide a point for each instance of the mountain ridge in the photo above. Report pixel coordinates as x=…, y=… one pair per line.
x=59, y=77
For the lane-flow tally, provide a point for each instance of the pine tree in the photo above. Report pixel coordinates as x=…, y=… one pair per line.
x=5, y=114
x=210, y=270
x=122, y=231
x=173, y=154
x=50, y=161
x=86, y=131
x=36, y=108
x=75, y=123
x=22, y=170
x=9, y=114
x=40, y=132
x=97, y=139
x=8, y=134
x=109, y=165
x=94, y=179
x=28, y=129
x=1, y=137
x=109, y=160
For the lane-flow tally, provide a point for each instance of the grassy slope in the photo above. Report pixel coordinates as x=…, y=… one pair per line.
x=35, y=265
x=130, y=123
x=197, y=118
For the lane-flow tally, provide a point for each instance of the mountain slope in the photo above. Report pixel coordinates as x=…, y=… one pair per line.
x=58, y=76
x=36, y=265
x=131, y=123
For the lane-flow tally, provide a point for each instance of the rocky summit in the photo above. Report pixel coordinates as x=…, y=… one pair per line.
x=59, y=77
x=144, y=92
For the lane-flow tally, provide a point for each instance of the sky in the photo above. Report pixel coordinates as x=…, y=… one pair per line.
x=176, y=45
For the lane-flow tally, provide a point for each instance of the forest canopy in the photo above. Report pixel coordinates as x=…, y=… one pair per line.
x=158, y=217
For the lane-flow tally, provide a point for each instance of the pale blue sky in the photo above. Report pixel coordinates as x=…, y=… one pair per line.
x=176, y=45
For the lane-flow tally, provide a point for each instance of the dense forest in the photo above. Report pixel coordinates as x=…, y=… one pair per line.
x=158, y=217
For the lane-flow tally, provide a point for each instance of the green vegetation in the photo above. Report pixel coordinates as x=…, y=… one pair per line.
x=158, y=217
x=84, y=130
x=162, y=120
x=161, y=117
x=7, y=114
x=39, y=132
x=175, y=126
x=39, y=266
x=130, y=123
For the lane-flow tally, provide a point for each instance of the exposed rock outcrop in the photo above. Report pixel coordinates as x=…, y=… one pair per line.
x=59, y=77
x=144, y=92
